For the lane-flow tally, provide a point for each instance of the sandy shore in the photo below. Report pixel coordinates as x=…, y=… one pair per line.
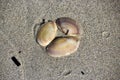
x=98, y=56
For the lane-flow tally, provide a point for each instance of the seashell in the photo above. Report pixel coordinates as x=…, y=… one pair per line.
x=63, y=46
x=46, y=33
x=68, y=26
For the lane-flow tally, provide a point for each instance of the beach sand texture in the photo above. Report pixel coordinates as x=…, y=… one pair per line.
x=97, y=58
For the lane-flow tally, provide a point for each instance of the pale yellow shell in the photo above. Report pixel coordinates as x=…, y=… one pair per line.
x=46, y=33
x=62, y=46
x=59, y=46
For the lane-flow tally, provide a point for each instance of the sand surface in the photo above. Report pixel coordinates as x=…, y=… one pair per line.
x=98, y=56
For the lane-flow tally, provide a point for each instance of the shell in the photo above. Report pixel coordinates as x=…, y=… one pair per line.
x=68, y=26
x=46, y=33
x=63, y=46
